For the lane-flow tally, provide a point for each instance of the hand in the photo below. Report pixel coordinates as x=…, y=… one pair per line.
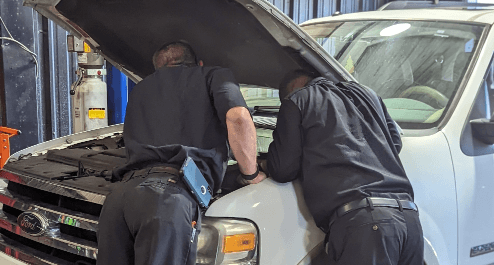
x=263, y=164
x=260, y=177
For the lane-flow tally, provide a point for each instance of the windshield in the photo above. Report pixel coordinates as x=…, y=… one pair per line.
x=415, y=66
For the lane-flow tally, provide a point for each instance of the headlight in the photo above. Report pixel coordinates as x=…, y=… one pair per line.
x=227, y=241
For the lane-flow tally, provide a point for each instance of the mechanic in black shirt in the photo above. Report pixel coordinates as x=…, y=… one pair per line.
x=343, y=145
x=182, y=109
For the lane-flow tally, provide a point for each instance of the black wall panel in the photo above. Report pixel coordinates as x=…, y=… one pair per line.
x=36, y=95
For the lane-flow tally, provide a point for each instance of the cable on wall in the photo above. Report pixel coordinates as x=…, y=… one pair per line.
x=10, y=38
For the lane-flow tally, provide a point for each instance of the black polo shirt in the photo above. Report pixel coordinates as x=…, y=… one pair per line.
x=178, y=112
x=341, y=141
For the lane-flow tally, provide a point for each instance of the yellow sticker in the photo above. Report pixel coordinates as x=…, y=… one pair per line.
x=349, y=65
x=87, y=49
x=97, y=113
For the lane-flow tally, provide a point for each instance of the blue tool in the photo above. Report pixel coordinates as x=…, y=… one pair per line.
x=196, y=182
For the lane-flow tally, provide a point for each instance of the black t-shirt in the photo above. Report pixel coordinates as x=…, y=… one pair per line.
x=341, y=141
x=178, y=112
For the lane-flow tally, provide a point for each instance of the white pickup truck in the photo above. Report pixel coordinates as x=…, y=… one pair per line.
x=436, y=83
x=434, y=70
x=55, y=190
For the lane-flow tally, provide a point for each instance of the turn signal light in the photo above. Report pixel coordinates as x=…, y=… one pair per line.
x=239, y=243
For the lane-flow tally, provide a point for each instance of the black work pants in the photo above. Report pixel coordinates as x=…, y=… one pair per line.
x=148, y=220
x=382, y=236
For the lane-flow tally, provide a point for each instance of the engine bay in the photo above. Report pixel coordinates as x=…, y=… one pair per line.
x=88, y=165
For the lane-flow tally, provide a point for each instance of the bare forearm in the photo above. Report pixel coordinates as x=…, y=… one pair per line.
x=242, y=138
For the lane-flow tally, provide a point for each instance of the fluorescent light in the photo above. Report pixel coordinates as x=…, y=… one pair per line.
x=394, y=29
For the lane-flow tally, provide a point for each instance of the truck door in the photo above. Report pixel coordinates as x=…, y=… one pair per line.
x=473, y=163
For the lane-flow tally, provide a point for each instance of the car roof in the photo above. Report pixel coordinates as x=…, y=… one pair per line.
x=477, y=16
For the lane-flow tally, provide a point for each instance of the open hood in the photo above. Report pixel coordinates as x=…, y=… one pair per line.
x=251, y=37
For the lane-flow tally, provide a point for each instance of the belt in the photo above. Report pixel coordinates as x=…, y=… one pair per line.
x=146, y=171
x=371, y=202
x=375, y=202
x=165, y=169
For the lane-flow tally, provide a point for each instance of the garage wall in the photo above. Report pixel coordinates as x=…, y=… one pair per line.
x=39, y=104
x=34, y=94
x=24, y=98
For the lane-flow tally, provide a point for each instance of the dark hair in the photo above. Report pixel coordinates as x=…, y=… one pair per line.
x=284, y=89
x=174, y=53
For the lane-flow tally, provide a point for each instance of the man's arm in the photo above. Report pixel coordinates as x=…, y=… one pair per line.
x=392, y=127
x=285, y=152
x=232, y=110
x=242, y=138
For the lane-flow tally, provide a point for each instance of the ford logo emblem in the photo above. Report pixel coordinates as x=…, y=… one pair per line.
x=32, y=223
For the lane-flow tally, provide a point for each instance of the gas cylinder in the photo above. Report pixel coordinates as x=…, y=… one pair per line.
x=89, y=104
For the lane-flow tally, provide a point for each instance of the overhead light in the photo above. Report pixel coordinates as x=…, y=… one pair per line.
x=394, y=29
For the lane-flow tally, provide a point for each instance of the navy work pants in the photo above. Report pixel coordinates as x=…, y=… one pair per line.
x=382, y=236
x=148, y=220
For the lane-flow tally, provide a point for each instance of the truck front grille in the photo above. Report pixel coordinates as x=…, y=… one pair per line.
x=55, y=199
x=70, y=224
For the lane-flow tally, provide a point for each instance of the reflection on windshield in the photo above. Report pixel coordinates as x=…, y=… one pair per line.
x=415, y=66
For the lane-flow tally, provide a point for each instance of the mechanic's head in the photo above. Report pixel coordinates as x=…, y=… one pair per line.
x=174, y=54
x=293, y=81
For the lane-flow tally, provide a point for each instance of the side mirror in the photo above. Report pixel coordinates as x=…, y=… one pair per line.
x=483, y=130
